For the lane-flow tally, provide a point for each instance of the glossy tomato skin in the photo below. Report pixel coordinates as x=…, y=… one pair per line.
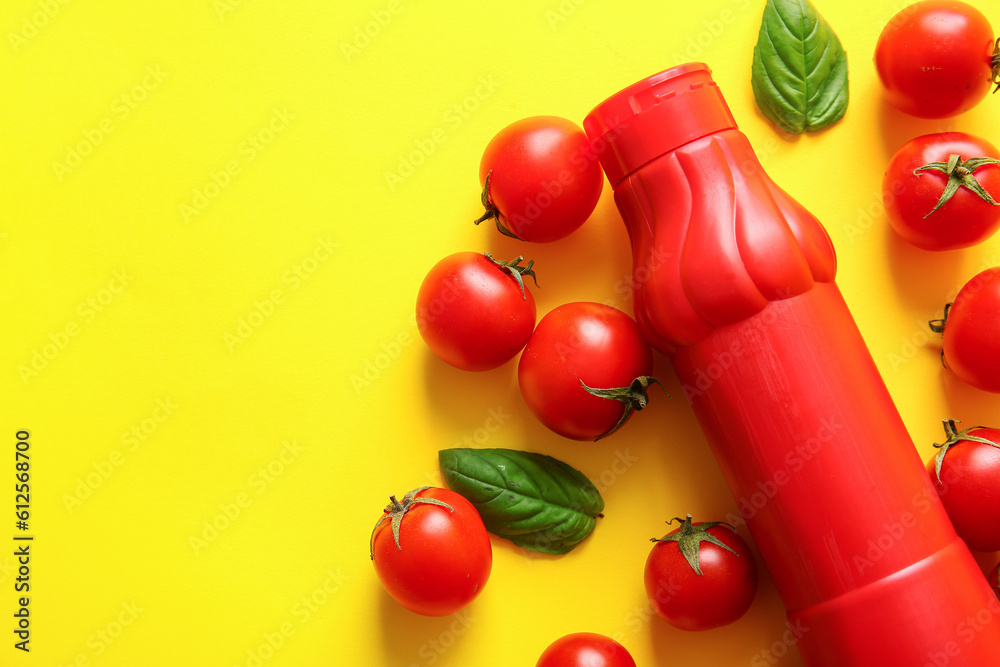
x=471, y=313
x=444, y=559
x=544, y=178
x=971, y=341
x=933, y=58
x=719, y=596
x=592, y=342
x=585, y=649
x=964, y=220
x=970, y=489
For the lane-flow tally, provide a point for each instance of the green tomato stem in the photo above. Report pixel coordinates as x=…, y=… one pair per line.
x=492, y=212
x=690, y=537
x=395, y=512
x=954, y=437
x=516, y=270
x=995, y=65
x=634, y=397
x=960, y=175
x=937, y=326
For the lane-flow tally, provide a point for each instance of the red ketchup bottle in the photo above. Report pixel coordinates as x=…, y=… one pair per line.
x=736, y=285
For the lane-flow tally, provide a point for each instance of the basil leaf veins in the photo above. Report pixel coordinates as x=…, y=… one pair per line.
x=535, y=501
x=799, y=75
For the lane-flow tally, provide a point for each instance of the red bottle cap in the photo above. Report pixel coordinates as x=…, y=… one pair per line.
x=655, y=116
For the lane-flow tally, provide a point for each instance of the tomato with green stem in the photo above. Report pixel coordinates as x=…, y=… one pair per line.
x=966, y=475
x=431, y=551
x=971, y=332
x=585, y=370
x=700, y=576
x=941, y=191
x=540, y=179
x=475, y=312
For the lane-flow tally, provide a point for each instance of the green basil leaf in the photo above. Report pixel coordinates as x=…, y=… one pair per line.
x=799, y=75
x=535, y=501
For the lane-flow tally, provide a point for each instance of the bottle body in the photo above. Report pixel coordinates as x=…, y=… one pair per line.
x=738, y=288
x=833, y=492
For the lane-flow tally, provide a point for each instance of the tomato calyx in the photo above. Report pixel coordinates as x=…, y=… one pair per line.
x=516, y=270
x=937, y=326
x=634, y=397
x=995, y=65
x=954, y=437
x=690, y=537
x=396, y=510
x=492, y=212
x=960, y=175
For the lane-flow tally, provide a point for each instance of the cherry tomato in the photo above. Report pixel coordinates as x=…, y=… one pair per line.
x=713, y=587
x=938, y=201
x=540, y=179
x=440, y=559
x=585, y=369
x=474, y=312
x=936, y=58
x=966, y=475
x=971, y=332
x=585, y=649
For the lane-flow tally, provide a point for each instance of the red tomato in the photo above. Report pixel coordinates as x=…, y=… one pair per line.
x=474, y=312
x=579, y=346
x=936, y=58
x=966, y=475
x=540, y=179
x=585, y=649
x=971, y=329
x=442, y=557
x=935, y=210
x=712, y=589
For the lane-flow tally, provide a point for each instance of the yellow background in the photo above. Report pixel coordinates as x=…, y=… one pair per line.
x=209, y=316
